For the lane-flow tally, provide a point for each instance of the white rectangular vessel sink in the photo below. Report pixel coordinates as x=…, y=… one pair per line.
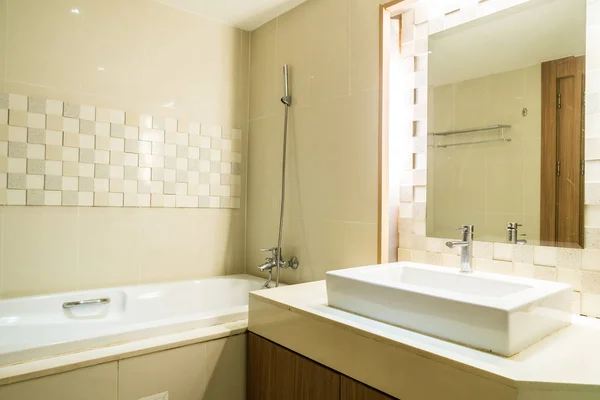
x=496, y=313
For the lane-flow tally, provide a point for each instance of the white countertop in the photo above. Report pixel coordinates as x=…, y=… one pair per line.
x=568, y=357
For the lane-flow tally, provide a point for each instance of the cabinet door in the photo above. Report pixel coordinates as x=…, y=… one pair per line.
x=275, y=373
x=271, y=370
x=315, y=381
x=353, y=390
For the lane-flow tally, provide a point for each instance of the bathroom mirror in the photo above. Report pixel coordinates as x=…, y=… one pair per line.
x=506, y=125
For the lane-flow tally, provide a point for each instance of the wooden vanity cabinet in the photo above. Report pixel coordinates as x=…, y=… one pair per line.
x=354, y=390
x=276, y=373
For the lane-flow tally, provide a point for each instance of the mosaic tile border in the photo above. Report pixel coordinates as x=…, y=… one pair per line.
x=578, y=267
x=55, y=153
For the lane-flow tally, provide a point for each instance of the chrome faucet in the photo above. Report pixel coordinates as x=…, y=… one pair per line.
x=512, y=233
x=270, y=263
x=466, y=248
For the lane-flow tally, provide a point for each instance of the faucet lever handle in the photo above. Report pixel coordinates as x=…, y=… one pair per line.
x=272, y=249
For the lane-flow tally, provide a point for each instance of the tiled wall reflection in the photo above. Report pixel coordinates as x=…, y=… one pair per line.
x=57, y=153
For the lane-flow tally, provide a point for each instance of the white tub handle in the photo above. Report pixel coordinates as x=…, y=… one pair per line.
x=71, y=304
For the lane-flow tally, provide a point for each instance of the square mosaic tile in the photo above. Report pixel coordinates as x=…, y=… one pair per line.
x=62, y=153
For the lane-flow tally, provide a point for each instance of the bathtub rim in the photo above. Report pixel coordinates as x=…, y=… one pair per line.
x=38, y=368
x=135, y=285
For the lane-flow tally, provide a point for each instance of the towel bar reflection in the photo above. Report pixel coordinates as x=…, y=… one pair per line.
x=502, y=137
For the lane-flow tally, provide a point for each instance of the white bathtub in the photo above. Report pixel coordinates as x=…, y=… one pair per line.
x=38, y=327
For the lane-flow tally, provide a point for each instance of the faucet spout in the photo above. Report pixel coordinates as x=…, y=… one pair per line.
x=267, y=266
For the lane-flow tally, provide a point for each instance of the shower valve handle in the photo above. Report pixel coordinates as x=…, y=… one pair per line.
x=272, y=250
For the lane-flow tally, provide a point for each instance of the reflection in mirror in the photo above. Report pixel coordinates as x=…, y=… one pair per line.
x=505, y=122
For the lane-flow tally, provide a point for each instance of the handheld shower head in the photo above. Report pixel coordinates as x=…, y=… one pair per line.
x=286, y=99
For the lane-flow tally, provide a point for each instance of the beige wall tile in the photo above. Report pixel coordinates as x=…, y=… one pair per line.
x=329, y=36
x=3, y=45
x=331, y=194
x=323, y=246
x=568, y=258
x=189, y=244
x=110, y=246
x=503, y=251
x=360, y=245
x=523, y=253
x=60, y=249
x=405, y=255
x=545, y=256
x=494, y=266
x=265, y=73
x=227, y=243
x=226, y=369
x=483, y=250
x=181, y=372
x=590, y=282
x=112, y=52
x=263, y=188
x=364, y=57
x=590, y=304
x=591, y=260
x=318, y=244
x=243, y=90
x=450, y=260
x=293, y=48
x=92, y=383
x=33, y=40
x=569, y=276
x=167, y=62
x=117, y=66
x=40, y=253
x=419, y=256
x=169, y=36
x=535, y=271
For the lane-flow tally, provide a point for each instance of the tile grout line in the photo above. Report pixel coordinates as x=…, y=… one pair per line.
x=245, y=141
x=205, y=346
x=5, y=61
x=118, y=376
x=77, y=269
x=139, y=250
x=349, y=55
